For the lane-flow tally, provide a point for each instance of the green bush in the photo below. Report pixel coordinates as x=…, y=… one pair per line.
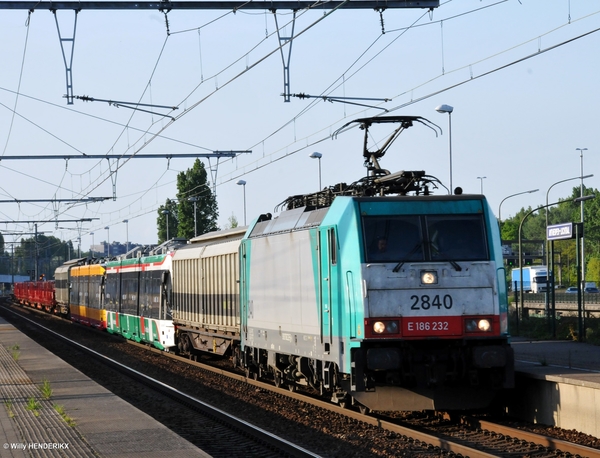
x=566, y=328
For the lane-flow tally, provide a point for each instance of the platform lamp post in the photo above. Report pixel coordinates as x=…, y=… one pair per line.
x=194, y=199
x=508, y=197
x=92, y=248
x=126, y=221
x=243, y=184
x=581, y=150
x=317, y=155
x=166, y=213
x=481, y=184
x=520, y=286
x=448, y=109
x=500, y=219
x=108, y=241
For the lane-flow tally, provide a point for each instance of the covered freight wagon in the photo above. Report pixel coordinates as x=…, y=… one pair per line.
x=206, y=307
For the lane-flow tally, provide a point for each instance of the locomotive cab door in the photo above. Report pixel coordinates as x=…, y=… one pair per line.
x=327, y=280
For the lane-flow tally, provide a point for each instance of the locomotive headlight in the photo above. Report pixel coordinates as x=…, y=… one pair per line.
x=474, y=325
x=484, y=325
x=385, y=327
x=379, y=327
x=429, y=277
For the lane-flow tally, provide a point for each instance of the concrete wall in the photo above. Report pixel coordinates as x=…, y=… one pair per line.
x=558, y=401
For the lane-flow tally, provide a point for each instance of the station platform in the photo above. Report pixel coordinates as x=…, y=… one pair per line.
x=557, y=384
x=103, y=425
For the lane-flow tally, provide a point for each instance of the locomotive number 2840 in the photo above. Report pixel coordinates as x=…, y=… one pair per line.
x=425, y=302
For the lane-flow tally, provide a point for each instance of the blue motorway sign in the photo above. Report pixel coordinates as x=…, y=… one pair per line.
x=560, y=231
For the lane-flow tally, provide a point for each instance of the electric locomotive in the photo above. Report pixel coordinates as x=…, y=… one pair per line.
x=376, y=297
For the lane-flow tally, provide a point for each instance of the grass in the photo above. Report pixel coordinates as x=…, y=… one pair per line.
x=46, y=389
x=9, y=407
x=61, y=411
x=14, y=351
x=34, y=406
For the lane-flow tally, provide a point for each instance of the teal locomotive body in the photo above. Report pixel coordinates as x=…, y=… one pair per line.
x=419, y=325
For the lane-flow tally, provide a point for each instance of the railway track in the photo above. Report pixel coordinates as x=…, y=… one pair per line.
x=374, y=435
x=236, y=436
x=457, y=434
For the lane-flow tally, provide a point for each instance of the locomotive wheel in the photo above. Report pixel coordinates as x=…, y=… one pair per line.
x=292, y=387
x=343, y=402
x=364, y=410
x=251, y=373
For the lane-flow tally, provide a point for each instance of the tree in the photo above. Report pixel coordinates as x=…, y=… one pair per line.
x=231, y=222
x=593, y=270
x=566, y=211
x=172, y=217
x=48, y=253
x=193, y=183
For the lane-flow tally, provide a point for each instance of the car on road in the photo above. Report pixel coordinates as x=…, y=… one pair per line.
x=591, y=289
x=571, y=290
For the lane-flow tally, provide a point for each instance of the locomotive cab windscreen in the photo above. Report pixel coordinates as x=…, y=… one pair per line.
x=410, y=238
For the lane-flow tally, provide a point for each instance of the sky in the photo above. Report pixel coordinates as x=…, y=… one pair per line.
x=521, y=75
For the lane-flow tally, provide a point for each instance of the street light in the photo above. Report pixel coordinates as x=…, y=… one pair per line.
x=508, y=197
x=448, y=109
x=581, y=150
x=481, y=183
x=317, y=155
x=108, y=241
x=194, y=199
x=520, y=287
x=92, y=250
x=166, y=213
x=243, y=183
x=126, y=221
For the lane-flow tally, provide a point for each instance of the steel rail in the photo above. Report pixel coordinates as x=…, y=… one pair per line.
x=544, y=441
x=204, y=408
x=441, y=442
